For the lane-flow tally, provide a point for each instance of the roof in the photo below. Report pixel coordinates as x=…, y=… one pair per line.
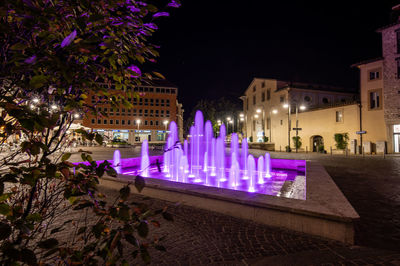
x=158, y=83
x=311, y=86
x=387, y=26
x=367, y=61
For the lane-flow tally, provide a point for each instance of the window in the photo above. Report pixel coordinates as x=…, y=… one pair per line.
x=151, y=102
x=93, y=99
x=254, y=88
x=111, y=122
x=145, y=122
x=158, y=90
x=105, y=122
x=167, y=113
x=151, y=113
x=93, y=121
x=269, y=94
x=157, y=102
x=167, y=102
x=151, y=122
x=307, y=98
x=282, y=99
x=141, y=101
x=325, y=100
x=254, y=99
x=339, y=116
x=398, y=67
x=122, y=111
x=111, y=111
x=398, y=41
x=157, y=113
x=151, y=89
x=162, y=90
x=134, y=101
x=146, y=101
x=374, y=74
x=157, y=123
x=140, y=112
x=98, y=121
x=105, y=110
x=117, y=112
x=375, y=99
x=117, y=121
x=263, y=84
x=146, y=112
x=263, y=96
x=128, y=121
x=162, y=102
x=281, y=122
x=162, y=113
x=247, y=104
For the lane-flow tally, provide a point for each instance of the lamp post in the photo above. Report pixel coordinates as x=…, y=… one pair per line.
x=274, y=111
x=302, y=107
x=228, y=119
x=165, y=124
x=241, y=118
x=138, y=123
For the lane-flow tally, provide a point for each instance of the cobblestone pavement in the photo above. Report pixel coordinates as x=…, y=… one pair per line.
x=371, y=184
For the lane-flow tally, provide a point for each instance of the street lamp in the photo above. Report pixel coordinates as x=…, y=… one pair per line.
x=274, y=111
x=76, y=116
x=138, y=123
x=165, y=124
x=302, y=107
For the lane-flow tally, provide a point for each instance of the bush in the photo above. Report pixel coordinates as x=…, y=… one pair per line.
x=265, y=139
x=321, y=149
x=341, y=140
x=251, y=139
x=288, y=149
x=297, y=142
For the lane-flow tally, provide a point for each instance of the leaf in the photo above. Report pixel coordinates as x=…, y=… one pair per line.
x=18, y=46
x=139, y=183
x=124, y=192
x=38, y=81
x=48, y=243
x=99, y=139
x=143, y=229
x=131, y=239
x=5, y=231
x=34, y=217
x=28, y=256
x=167, y=216
x=67, y=40
x=65, y=156
x=4, y=209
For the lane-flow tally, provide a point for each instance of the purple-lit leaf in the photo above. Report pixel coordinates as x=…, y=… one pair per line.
x=174, y=3
x=161, y=14
x=67, y=40
x=135, y=70
x=30, y=60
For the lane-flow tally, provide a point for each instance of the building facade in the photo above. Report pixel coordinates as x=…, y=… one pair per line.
x=155, y=105
x=273, y=109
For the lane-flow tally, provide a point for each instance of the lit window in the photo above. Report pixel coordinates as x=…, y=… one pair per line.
x=339, y=116
x=375, y=99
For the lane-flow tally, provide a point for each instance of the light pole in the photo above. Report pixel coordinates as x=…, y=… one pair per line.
x=241, y=118
x=165, y=124
x=270, y=123
x=302, y=107
x=227, y=124
x=287, y=106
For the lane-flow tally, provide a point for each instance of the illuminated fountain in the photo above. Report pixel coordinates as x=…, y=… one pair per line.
x=203, y=160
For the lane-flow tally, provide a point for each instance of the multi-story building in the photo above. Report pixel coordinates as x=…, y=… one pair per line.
x=270, y=107
x=370, y=119
x=154, y=107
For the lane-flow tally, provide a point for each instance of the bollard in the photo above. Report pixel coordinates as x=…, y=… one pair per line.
x=306, y=149
x=331, y=150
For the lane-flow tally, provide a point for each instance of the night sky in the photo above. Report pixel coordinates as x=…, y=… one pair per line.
x=214, y=48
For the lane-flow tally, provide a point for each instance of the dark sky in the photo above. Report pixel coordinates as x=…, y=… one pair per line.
x=214, y=48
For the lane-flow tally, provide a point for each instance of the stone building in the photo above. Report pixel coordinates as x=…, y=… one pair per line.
x=154, y=108
x=273, y=109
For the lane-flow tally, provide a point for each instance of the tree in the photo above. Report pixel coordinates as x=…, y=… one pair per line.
x=215, y=110
x=54, y=53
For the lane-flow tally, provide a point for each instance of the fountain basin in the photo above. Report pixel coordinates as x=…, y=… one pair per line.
x=325, y=212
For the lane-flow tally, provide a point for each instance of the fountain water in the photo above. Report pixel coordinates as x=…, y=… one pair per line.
x=117, y=161
x=202, y=160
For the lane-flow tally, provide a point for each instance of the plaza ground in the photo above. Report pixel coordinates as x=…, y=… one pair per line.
x=199, y=237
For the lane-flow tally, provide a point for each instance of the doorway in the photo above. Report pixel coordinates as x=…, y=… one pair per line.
x=317, y=143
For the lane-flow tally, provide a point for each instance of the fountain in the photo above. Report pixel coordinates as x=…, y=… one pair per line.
x=117, y=161
x=203, y=160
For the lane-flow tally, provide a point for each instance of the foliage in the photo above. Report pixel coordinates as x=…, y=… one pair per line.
x=55, y=55
x=265, y=138
x=321, y=149
x=251, y=139
x=297, y=142
x=215, y=110
x=342, y=140
x=288, y=149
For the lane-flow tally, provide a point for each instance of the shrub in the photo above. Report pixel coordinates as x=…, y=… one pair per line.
x=251, y=139
x=265, y=139
x=341, y=140
x=297, y=142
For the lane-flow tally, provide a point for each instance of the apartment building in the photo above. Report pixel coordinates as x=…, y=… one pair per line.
x=155, y=105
